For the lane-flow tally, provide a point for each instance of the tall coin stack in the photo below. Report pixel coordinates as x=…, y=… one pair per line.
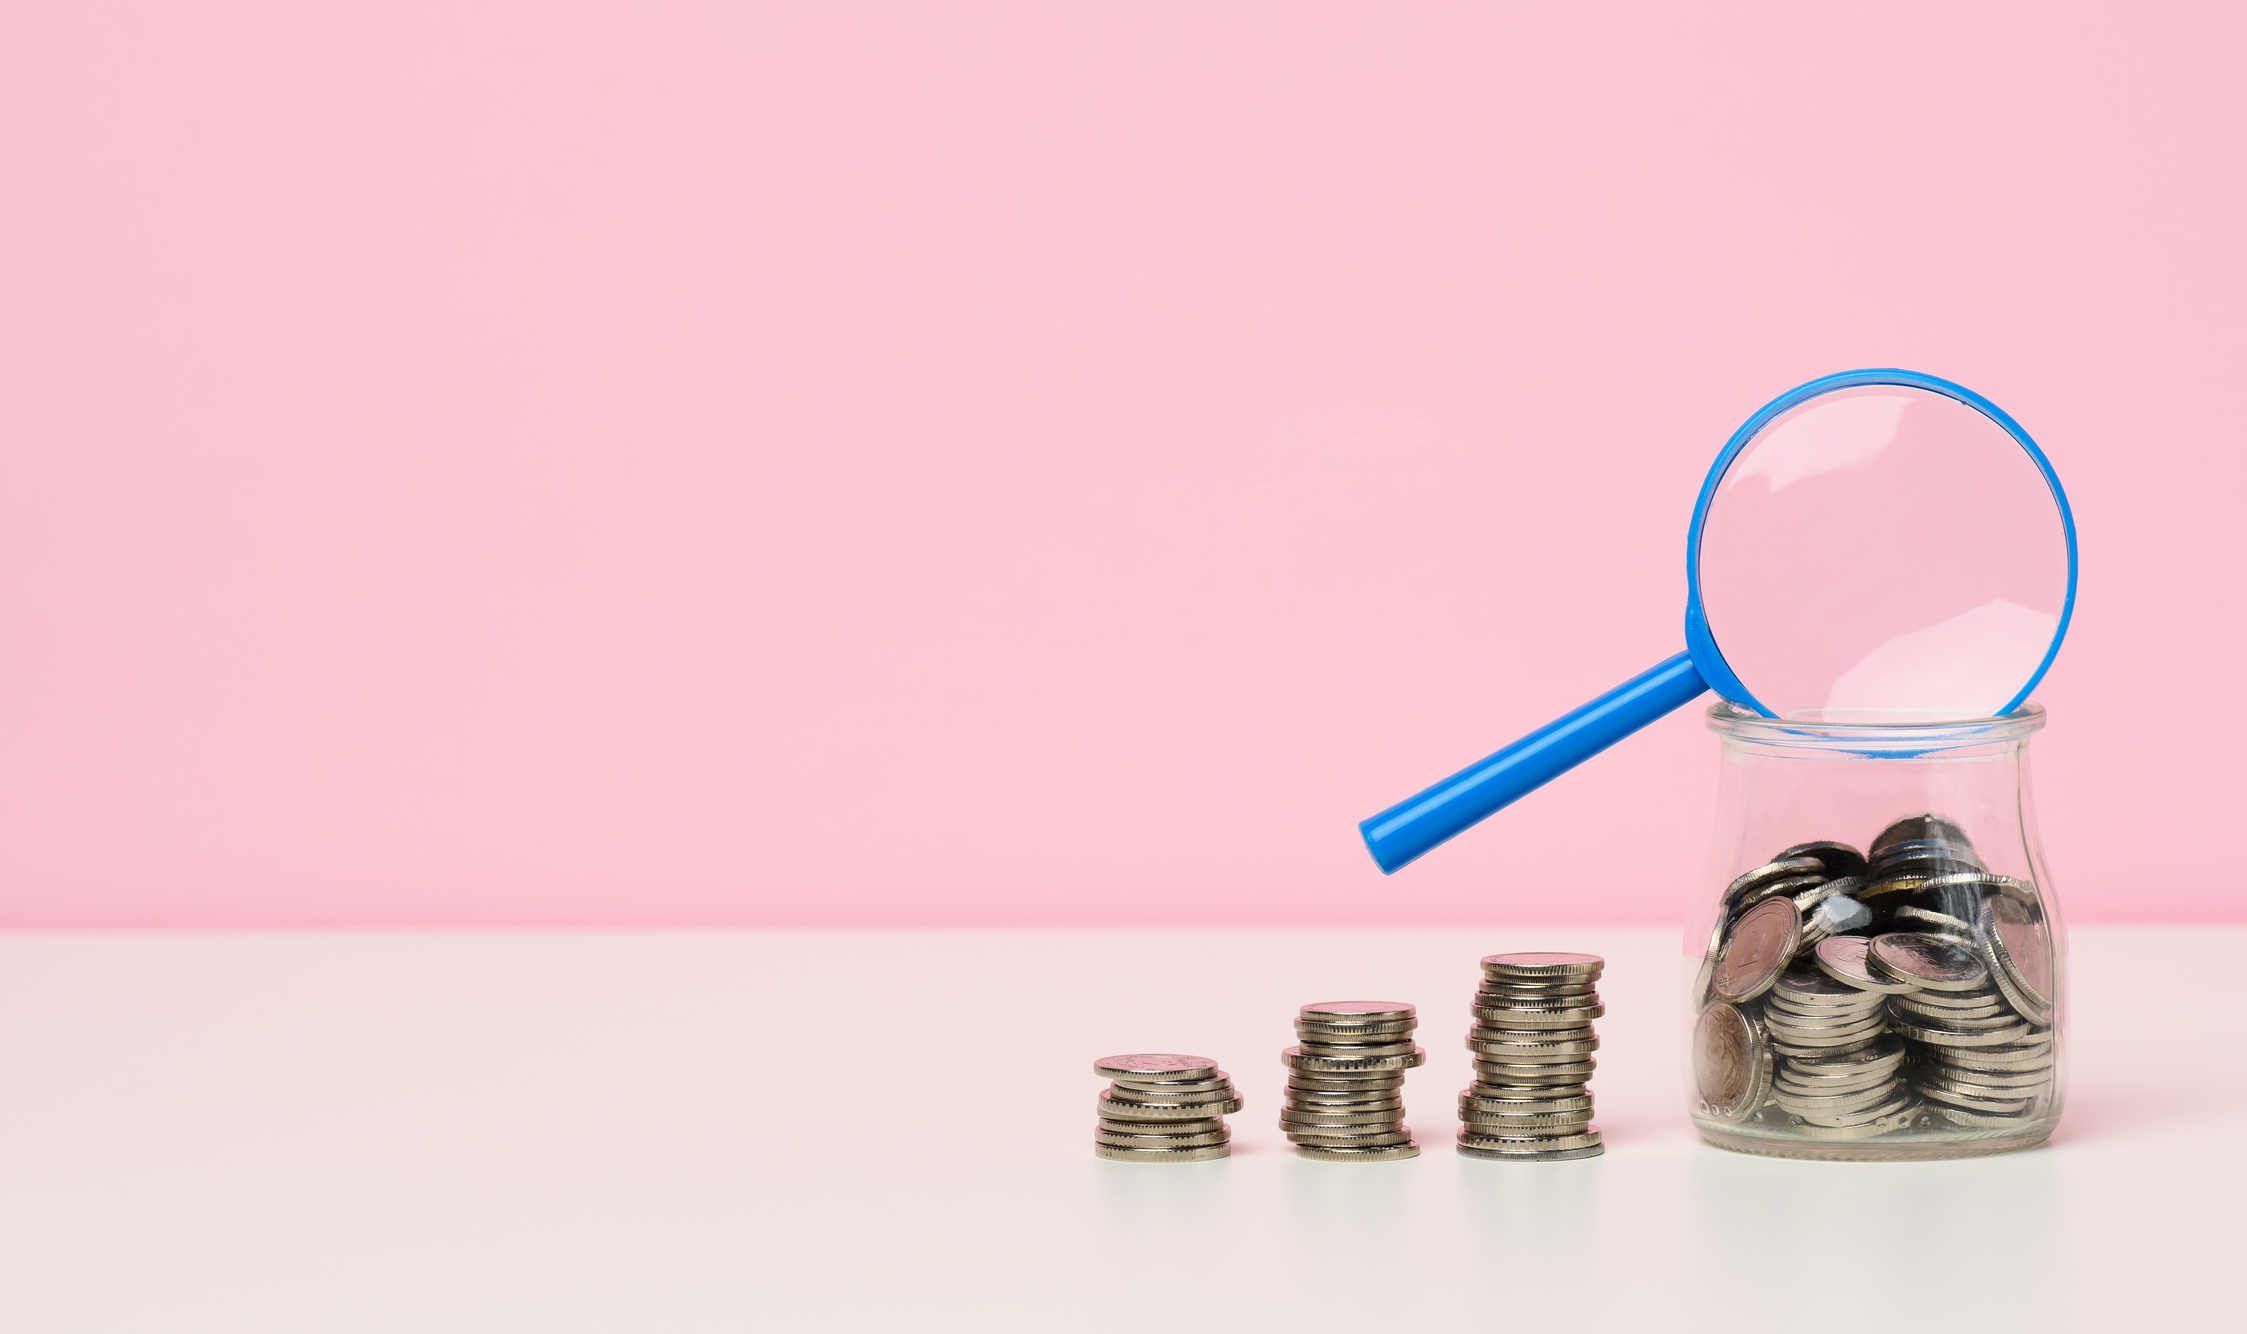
x=1837, y=1068
x=1533, y=1042
x=1163, y=1108
x=1345, y=1081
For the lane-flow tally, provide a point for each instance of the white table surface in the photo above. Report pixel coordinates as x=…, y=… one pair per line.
x=806, y=1131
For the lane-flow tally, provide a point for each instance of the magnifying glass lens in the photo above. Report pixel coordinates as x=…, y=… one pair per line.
x=1884, y=553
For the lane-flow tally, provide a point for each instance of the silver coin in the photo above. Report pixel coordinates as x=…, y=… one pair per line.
x=1883, y=890
x=1824, y=1016
x=1543, y=964
x=1531, y=1053
x=1346, y=1079
x=1944, y=1001
x=1528, y=1092
x=1312, y=1116
x=1486, y=1031
x=1350, y=1101
x=1886, y=1054
x=1761, y=943
x=1395, y=1153
x=1152, y=1098
x=1865, y=1130
x=1936, y=1091
x=1943, y=1037
x=1770, y=873
x=1994, y=1079
x=1513, y=1018
x=1551, y=1156
x=1121, y=1140
x=1820, y=1104
x=2001, y=1060
x=1221, y=1081
x=1913, y=918
x=1810, y=896
x=1297, y=1058
x=1305, y=1032
x=1469, y=1100
x=1358, y=1012
x=1837, y=859
x=1965, y=1086
x=1519, y=1127
x=1954, y=1022
x=1300, y=1082
x=1201, y=1127
x=1368, y=1140
x=1784, y=1085
x=1537, y=990
x=1925, y=825
x=1959, y=1116
x=2016, y=946
x=1925, y=961
x=1117, y=1109
x=1777, y=889
x=2019, y=890
x=1121, y=1155
x=1511, y=1144
x=1356, y=1051
x=1496, y=1072
x=1731, y=1062
x=1829, y=1035
x=1898, y=1103
x=1715, y=951
x=1153, y=1066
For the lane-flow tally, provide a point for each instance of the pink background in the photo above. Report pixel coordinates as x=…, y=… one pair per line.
x=977, y=463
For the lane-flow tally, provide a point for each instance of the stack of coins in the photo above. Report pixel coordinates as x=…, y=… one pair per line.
x=1837, y=1067
x=1345, y=1081
x=1839, y=990
x=1533, y=1042
x=1163, y=1108
x=1975, y=1058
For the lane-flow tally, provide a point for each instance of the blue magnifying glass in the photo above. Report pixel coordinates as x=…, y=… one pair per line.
x=1878, y=546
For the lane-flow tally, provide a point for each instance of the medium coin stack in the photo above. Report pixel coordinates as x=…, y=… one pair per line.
x=1533, y=1042
x=1836, y=1064
x=1345, y=1081
x=1163, y=1108
x=1837, y=987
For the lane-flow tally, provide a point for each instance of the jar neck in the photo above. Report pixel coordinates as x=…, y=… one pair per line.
x=1809, y=738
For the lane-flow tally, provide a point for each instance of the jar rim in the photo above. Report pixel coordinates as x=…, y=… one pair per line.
x=1734, y=722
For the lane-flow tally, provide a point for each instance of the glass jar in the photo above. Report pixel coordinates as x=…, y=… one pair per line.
x=1900, y=998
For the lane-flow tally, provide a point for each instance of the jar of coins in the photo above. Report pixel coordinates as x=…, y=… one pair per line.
x=1878, y=970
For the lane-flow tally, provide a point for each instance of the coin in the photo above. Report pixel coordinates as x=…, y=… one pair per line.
x=1731, y=1064
x=1358, y=1012
x=1201, y=1127
x=1523, y=1018
x=1121, y=1110
x=1885, y=1054
x=1292, y=1117
x=1838, y=859
x=1151, y=1066
x=1496, y=1072
x=1152, y=1098
x=2017, y=948
x=1945, y=1093
x=1122, y=1140
x=1299, y=1059
x=1349, y=1137
x=1866, y=1130
x=1810, y=986
x=1808, y=1104
x=1469, y=1098
x=1221, y=1082
x=1813, y=895
x=1946, y=1002
x=1537, y=990
x=1543, y=964
x=1771, y=872
x=1396, y=1153
x=1959, y=1021
x=1513, y=1144
x=1925, y=961
x=1788, y=888
x=2002, y=1059
x=1926, y=825
x=1959, y=1116
x=1914, y=918
x=1357, y=1051
x=1761, y=943
x=1122, y=1155
x=1944, y=1037
x=1529, y=1092
x=1898, y=1102
x=1549, y=1156
x=1993, y=1079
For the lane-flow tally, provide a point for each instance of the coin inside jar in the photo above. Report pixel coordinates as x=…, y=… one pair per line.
x=1925, y=961
x=1762, y=941
x=1730, y=1065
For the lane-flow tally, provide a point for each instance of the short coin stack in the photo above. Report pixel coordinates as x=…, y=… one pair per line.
x=1345, y=1081
x=1974, y=1056
x=1837, y=1066
x=1163, y=1108
x=1533, y=1042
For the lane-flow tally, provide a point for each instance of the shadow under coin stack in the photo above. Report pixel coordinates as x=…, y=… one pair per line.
x=1345, y=1082
x=1533, y=1042
x=1163, y=1108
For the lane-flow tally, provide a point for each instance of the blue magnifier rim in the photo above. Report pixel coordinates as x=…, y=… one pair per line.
x=1709, y=661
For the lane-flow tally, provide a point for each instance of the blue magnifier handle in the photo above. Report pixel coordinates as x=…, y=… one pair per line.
x=1401, y=833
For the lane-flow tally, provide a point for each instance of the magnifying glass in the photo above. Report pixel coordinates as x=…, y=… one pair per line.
x=1878, y=546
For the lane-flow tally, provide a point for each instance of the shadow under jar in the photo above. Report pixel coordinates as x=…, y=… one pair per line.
x=1878, y=969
